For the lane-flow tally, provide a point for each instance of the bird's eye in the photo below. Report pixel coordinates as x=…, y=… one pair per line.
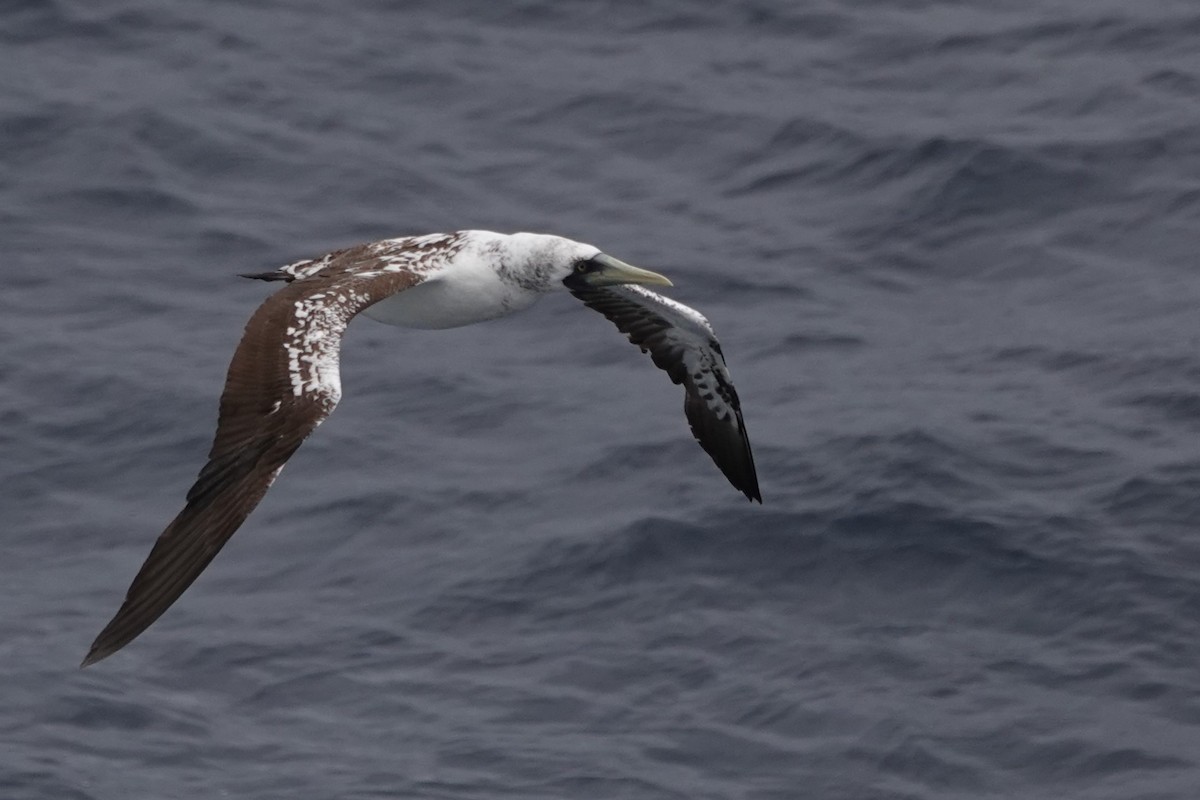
x=581, y=266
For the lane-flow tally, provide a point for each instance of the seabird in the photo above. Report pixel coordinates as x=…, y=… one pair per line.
x=283, y=379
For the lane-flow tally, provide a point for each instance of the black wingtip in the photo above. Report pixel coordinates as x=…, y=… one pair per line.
x=114, y=636
x=750, y=489
x=97, y=652
x=91, y=658
x=747, y=487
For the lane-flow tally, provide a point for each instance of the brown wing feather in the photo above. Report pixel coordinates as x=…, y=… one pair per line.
x=281, y=384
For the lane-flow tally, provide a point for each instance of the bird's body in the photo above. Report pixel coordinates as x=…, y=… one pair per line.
x=467, y=277
x=284, y=378
x=462, y=291
x=451, y=301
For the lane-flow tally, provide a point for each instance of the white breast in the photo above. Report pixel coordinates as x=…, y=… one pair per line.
x=462, y=296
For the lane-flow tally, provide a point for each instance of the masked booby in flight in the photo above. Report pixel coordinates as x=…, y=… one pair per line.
x=283, y=379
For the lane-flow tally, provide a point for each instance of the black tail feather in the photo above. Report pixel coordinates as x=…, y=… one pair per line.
x=274, y=275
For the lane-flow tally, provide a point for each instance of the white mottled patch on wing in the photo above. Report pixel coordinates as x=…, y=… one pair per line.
x=312, y=346
x=680, y=313
x=420, y=254
x=309, y=266
x=710, y=377
x=313, y=343
x=411, y=253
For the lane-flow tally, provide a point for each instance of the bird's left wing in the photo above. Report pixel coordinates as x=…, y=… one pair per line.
x=282, y=383
x=682, y=343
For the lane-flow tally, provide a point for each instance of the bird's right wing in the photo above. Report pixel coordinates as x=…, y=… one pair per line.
x=683, y=344
x=282, y=383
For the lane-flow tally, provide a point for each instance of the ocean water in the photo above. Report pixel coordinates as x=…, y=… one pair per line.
x=951, y=252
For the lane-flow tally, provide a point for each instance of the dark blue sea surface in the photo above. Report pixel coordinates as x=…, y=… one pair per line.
x=950, y=248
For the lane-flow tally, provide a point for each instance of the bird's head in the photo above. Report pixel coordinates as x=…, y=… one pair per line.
x=598, y=270
x=555, y=260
